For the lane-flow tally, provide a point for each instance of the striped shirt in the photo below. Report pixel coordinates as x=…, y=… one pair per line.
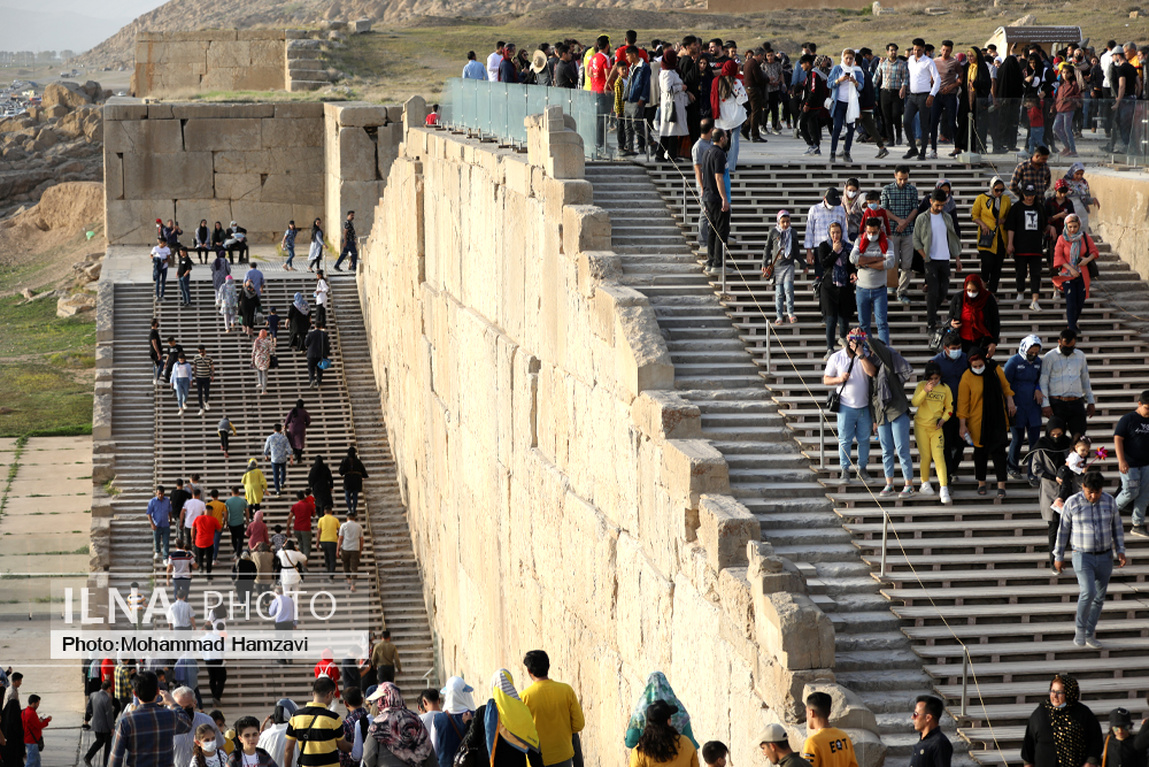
x=892, y=75
x=1092, y=528
x=318, y=729
x=202, y=366
x=900, y=200
x=1066, y=375
x=145, y=736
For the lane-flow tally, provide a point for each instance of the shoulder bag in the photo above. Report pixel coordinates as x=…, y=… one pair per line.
x=1092, y=265
x=834, y=398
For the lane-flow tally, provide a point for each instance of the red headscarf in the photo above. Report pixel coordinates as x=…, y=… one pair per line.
x=729, y=69
x=669, y=59
x=973, y=310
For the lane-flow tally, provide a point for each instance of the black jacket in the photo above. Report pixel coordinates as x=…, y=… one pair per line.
x=318, y=344
x=992, y=317
x=1038, y=747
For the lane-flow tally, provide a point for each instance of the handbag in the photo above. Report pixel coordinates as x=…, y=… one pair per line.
x=834, y=398
x=985, y=240
x=1092, y=265
x=324, y=364
x=273, y=362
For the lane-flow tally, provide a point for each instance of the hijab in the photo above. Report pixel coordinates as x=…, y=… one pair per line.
x=1068, y=731
x=1077, y=166
x=976, y=305
x=950, y=205
x=300, y=303
x=1060, y=444
x=1028, y=343
x=1076, y=241
x=729, y=69
x=399, y=729
x=257, y=531
x=229, y=289
x=457, y=696
x=508, y=717
x=657, y=688
x=994, y=422
x=785, y=239
x=669, y=60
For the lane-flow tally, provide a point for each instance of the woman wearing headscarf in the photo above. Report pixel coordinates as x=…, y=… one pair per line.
x=1062, y=731
x=511, y=738
x=1023, y=371
x=657, y=688
x=1045, y=462
x=295, y=427
x=396, y=736
x=836, y=293
x=220, y=268
x=1072, y=254
x=244, y=572
x=451, y=723
x=257, y=532
x=315, y=251
x=254, y=485
x=727, y=96
x=661, y=743
x=298, y=323
x=1080, y=194
x=321, y=483
x=261, y=350
x=974, y=314
x=353, y=472
x=974, y=86
x=672, y=107
x=227, y=301
x=845, y=81
x=989, y=211
x=249, y=305
x=984, y=406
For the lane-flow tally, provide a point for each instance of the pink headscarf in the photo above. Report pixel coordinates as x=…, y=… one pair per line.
x=257, y=532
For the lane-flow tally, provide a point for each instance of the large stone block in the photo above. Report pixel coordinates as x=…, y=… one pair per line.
x=143, y=136
x=585, y=227
x=113, y=176
x=124, y=108
x=295, y=188
x=267, y=78
x=641, y=354
x=132, y=222
x=691, y=468
x=666, y=415
x=724, y=528
x=791, y=628
x=357, y=114
x=848, y=712
x=238, y=186
x=263, y=218
x=310, y=110
x=189, y=212
x=171, y=176
x=280, y=132
x=357, y=160
x=214, y=135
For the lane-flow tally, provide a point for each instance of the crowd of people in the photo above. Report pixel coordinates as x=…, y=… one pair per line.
x=971, y=99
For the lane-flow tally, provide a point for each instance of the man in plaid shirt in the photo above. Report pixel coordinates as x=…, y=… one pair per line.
x=900, y=201
x=145, y=735
x=1091, y=522
x=1034, y=171
x=891, y=79
x=818, y=220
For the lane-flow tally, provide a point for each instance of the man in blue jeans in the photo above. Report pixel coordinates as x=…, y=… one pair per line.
x=1131, y=438
x=350, y=244
x=1090, y=521
x=849, y=371
x=159, y=517
x=873, y=255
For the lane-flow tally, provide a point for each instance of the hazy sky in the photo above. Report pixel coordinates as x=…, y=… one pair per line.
x=39, y=25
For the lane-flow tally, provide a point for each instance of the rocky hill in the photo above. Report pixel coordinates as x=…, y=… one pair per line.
x=186, y=15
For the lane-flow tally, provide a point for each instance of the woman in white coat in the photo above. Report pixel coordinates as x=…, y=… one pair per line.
x=846, y=80
x=672, y=106
x=727, y=97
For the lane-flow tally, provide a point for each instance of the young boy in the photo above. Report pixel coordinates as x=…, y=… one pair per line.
x=1069, y=478
x=714, y=753
x=1033, y=110
x=225, y=429
x=935, y=405
x=273, y=323
x=874, y=209
x=247, y=731
x=34, y=725
x=781, y=255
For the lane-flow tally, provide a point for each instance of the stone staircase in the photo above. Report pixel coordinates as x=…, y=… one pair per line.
x=156, y=445
x=306, y=68
x=968, y=578
x=714, y=371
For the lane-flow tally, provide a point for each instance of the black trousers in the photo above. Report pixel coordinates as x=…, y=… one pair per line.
x=203, y=390
x=203, y=558
x=937, y=288
x=236, y=538
x=810, y=127
x=756, y=119
x=1032, y=265
x=991, y=264
x=217, y=677
x=385, y=674
x=102, y=740
x=1073, y=413
x=981, y=458
x=954, y=446
x=775, y=100
x=892, y=106
x=717, y=233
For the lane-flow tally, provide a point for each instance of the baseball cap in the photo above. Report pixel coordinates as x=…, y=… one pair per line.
x=774, y=733
x=660, y=710
x=832, y=196
x=1060, y=184
x=1029, y=189
x=1119, y=717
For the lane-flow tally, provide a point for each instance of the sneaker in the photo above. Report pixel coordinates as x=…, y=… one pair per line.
x=846, y=157
x=181, y=410
x=843, y=478
x=1079, y=641
x=904, y=300
x=883, y=152
x=809, y=150
x=1034, y=307
x=863, y=476
x=1019, y=298
x=910, y=154
x=887, y=491
x=1014, y=472
x=833, y=156
x=829, y=353
x=156, y=557
x=944, y=495
x=710, y=271
x=1139, y=531
x=817, y=152
x=200, y=411
x=1092, y=642
x=926, y=489
x=206, y=406
x=906, y=492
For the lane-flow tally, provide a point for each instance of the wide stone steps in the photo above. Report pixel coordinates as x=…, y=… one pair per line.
x=975, y=572
x=767, y=472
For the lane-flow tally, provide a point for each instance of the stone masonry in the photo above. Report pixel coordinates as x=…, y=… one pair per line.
x=558, y=489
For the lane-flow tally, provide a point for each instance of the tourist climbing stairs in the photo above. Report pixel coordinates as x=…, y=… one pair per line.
x=968, y=582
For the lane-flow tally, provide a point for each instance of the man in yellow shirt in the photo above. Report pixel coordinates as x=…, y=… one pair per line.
x=826, y=746
x=329, y=538
x=555, y=709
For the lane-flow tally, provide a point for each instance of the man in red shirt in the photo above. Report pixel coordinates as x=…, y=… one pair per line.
x=203, y=533
x=33, y=731
x=631, y=39
x=597, y=71
x=301, y=513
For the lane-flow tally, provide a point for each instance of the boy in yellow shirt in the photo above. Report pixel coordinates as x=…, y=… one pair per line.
x=826, y=746
x=329, y=538
x=935, y=404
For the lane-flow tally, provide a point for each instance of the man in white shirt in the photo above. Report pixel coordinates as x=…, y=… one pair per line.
x=181, y=615
x=193, y=507
x=935, y=238
x=349, y=544
x=849, y=371
x=923, y=84
x=493, y=62
x=282, y=612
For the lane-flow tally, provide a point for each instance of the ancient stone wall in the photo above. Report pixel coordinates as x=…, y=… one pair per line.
x=1123, y=218
x=558, y=490
x=181, y=63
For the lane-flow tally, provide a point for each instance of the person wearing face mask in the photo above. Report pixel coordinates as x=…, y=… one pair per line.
x=1062, y=730
x=873, y=256
x=1122, y=748
x=854, y=206
x=782, y=254
x=953, y=363
x=984, y=407
x=990, y=210
x=1065, y=384
x=850, y=371
x=1072, y=254
x=1045, y=461
x=1023, y=371
x=974, y=315
x=205, y=750
x=818, y=220
x=183, y=746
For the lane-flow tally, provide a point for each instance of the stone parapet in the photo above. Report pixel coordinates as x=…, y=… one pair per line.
x=558, y=489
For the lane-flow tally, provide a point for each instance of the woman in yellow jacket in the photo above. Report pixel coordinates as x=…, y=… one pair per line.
x=254, y=485
x=989, y=212
x=984, y=407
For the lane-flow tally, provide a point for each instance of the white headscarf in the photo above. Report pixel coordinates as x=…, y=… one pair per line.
x=1027, y=343
x=457, y=696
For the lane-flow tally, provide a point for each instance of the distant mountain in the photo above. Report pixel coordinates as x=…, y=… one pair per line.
x=186, y=15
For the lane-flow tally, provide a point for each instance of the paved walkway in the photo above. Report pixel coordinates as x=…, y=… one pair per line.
x=44, y=547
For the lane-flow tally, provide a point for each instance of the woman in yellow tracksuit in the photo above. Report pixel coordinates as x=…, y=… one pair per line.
x=935, y=404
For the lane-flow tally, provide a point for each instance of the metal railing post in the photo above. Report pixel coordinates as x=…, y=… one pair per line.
x=821, y=438
x=722, y=266
x=964, y=680
x=768, y=366
x=885, y=541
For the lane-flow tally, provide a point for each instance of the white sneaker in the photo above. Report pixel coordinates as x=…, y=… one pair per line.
x=926, y=489
x=181, y=410
x=944, y=494
x=933, y=155
x=206, y=406
x=1035, y=307
x=200, y=411
x=1020, y=298
x=156, y=557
